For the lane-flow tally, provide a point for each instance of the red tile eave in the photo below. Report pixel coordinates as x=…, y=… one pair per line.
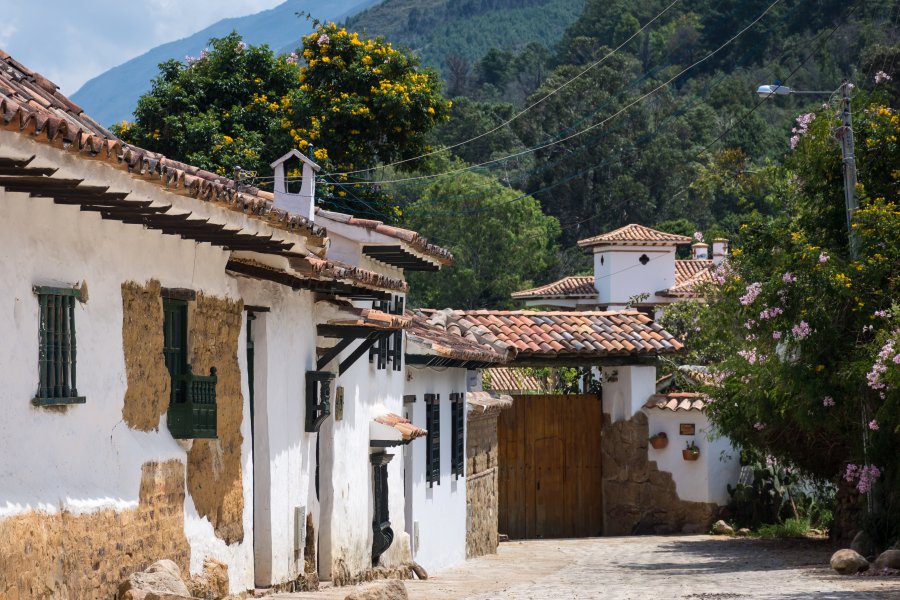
x=32, y=106
x=412, y=238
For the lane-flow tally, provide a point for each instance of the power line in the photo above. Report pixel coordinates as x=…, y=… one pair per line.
x=585, y=130
x=524, y=110
x=761, y=101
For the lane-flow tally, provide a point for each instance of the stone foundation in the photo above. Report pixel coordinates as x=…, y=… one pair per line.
x=638, y=498
x=74, y=556
x=481, y=485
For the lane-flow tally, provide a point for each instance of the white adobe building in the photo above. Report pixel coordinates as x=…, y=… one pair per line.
x=633, y=265
x=189, y=374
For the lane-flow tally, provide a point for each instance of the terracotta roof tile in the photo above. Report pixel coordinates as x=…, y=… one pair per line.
x=576, y=286
x=689, y=276
x=677, y=401
x=513, y=380
x=349, y=315
x=635, y=235
x=429, y=333
x=413, y=238
x=32, y=105
x=488, y=403
x=590, y=334
x=404, y=426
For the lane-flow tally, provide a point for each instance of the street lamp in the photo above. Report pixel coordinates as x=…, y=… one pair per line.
x=845, y=136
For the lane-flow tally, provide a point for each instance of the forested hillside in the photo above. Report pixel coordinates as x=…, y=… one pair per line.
x=667, y=130
x=446, y=32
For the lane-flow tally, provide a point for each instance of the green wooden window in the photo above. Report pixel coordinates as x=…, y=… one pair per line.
x=56, y=351
x=433, y=439
x=192, y=401
x=458, y=434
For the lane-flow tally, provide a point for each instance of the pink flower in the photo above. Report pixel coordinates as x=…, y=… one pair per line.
x=881, y=76
x=873, y=425
x=827, y=401
x=292, y=58
x=823, y=258
x=789, y=277
x=896, y=359
x=867, y=477
x=752, y=293
x=759, y=426
x=241, y=46
x=881, y=313
x=801, y=330
x=323, y=39
x=698, y=236
x=776, y=335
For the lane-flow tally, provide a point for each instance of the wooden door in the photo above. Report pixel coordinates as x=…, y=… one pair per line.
x=549, y=467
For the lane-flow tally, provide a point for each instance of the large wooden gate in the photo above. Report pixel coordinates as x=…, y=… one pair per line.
x=549, y=467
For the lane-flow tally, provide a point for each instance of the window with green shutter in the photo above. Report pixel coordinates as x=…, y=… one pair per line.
x=458, y=434
x=192, y=400
x=433, y=439
x=56, y=352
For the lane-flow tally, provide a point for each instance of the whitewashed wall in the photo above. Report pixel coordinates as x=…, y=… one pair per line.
x=346, y=484
x=439, y=510
x=284, y=454
x=620, y=274
x=705, y=479
x=627, y=389
x=87, y=459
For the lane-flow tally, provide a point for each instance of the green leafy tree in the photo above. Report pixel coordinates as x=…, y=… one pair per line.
x=218, y=111
x=500, y=242
x=805, y=338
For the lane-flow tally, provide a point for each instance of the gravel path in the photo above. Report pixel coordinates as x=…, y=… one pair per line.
x=647, y=567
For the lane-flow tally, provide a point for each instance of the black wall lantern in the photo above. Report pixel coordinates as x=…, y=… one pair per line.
x=318, y=398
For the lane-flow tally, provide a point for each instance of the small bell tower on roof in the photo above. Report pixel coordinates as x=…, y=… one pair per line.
x=304, y=201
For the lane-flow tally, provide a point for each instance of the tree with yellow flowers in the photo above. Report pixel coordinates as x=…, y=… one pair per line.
x=350, y=102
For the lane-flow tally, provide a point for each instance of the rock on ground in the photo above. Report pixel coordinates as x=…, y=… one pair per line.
x=848, y=562
x=889, y=559
x=743, y=532
x=389, y=589
x=212, y=583
x=722, y=528
x=161, y=579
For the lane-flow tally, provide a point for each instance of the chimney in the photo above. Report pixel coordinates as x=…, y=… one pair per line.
x=700, y=251
x=719, y=250
x=303, y=203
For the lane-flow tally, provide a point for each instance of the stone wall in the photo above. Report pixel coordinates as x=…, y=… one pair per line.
x=147, y=396
x=638, y=498
x=67, y=555
x=214, y=466
x=481, y=484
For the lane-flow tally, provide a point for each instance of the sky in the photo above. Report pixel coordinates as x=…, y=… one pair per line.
x=71, y=41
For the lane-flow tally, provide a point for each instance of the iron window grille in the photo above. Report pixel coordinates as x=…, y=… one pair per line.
x=388, y=349
x=458, y=434
x=192, y=401
x=433, y=439
x=56, y=351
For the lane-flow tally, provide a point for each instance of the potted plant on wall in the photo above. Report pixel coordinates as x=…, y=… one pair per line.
x=691, y=452
x=660, y=440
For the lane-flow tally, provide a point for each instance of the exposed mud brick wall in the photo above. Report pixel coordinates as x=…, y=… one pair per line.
x=481, y=485
x=147, y=396
x=638, y=498
x=214, y=466
x=74, y=556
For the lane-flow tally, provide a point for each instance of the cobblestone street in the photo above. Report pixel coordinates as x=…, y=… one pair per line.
x=691, y=568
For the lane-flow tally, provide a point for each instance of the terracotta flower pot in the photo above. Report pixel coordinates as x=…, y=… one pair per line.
x=689, y=454
x=659, y=441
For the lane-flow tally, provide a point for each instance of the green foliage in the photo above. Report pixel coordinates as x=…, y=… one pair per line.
x=503, y=244
x=362, y=101
x=435, y=29
x=209, y=112
x=791, y=528
x=805, y=335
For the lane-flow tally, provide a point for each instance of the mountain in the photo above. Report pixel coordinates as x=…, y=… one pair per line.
x=111, y=96
x=469, y=28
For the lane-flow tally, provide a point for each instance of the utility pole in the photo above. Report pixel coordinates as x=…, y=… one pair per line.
x=845, y=135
